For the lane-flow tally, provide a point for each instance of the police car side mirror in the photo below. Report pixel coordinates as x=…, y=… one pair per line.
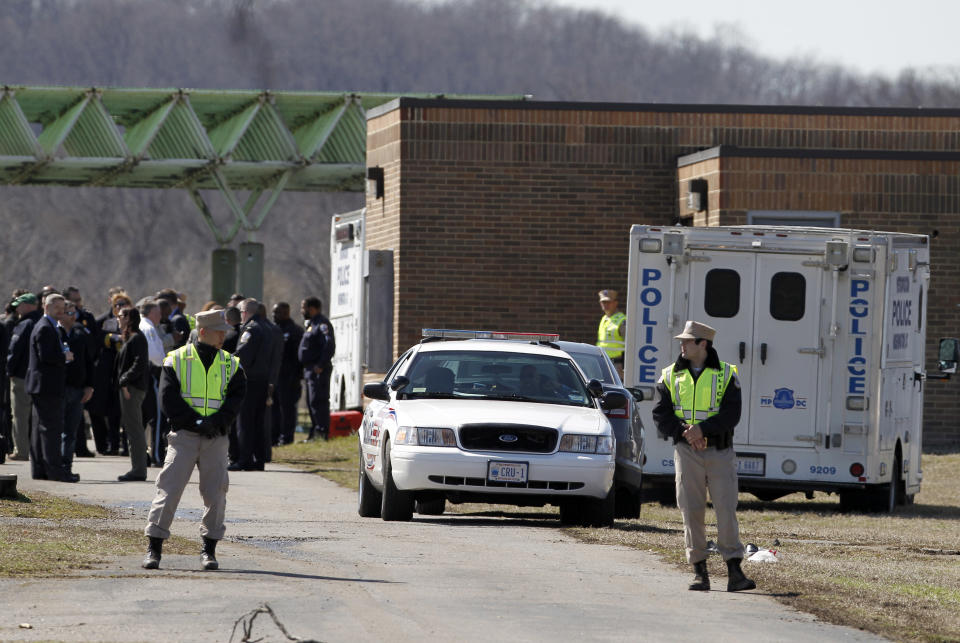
x=637, y=393
x=377, y=391
x=949, y=354
x=595, y=388
x=613, y=400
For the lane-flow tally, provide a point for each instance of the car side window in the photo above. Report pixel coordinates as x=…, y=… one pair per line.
x=396, y=367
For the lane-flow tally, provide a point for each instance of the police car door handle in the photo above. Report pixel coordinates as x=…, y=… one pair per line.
x=743, y=351
x=763, y=353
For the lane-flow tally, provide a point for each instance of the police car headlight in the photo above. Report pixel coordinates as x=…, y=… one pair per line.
x=425, y=437
x=602, y=444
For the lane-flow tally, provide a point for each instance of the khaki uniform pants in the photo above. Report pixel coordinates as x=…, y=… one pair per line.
x=22, y=407
x=185, y=450
x=698, y=471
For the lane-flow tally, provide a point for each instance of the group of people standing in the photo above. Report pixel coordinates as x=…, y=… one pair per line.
x=58, y=361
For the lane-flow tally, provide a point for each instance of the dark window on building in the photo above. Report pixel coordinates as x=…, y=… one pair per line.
x=722, y=295
x=788, y=296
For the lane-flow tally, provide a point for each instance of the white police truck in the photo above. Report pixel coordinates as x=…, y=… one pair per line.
x=827, y=329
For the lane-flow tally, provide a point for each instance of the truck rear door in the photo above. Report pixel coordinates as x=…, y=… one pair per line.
x=766, y=309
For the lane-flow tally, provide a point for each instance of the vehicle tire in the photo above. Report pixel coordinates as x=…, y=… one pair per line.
x=369, y=500
x=431, y=506
x=893, y=495
x=396, y=505
x=600, y=513
x=571, y=512
x=628, y=503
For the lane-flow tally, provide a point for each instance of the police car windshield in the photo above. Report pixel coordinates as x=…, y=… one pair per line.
x=465, y=374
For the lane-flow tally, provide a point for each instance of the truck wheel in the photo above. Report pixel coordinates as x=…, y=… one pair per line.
x=369, y=500
x=396, y=505
x=431, y=506
x=893, y=497
x=600, y=513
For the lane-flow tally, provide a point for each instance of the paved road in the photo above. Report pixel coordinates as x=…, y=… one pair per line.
x=295, y=542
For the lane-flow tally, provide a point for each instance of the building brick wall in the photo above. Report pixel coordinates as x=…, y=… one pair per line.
x=513, y=215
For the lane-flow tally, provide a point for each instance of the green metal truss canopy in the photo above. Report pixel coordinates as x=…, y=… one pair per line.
x=196, y=139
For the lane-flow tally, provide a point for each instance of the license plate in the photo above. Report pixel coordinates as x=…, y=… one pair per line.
x=507, y=471
x=751, y=464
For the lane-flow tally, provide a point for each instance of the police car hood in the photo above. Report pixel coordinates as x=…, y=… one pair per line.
x=454, y=413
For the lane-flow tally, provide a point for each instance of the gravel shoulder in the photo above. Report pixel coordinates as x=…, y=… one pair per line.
x=294, y=541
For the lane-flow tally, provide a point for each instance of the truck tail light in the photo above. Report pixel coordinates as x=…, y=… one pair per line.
x=856, y=469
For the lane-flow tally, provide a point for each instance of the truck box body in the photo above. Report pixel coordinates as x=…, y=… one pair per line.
x=346, y=309
x=827, y=330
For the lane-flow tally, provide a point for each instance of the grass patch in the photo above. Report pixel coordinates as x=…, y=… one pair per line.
x=42, y=535
x=335, y=459
x=894, y=575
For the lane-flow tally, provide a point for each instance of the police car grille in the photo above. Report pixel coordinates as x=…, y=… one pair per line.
x=552, y=485
x=518, y=438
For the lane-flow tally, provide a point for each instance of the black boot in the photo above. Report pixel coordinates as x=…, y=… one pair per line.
x=152, y=560
x=736, y=581
x=701, y=579
x=208, y=557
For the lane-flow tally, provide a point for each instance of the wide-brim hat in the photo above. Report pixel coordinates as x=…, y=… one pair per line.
x=213, y=320
x=696, y=330
x=608, y=295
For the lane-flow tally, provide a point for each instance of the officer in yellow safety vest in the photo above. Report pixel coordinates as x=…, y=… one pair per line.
x=698, y=406
x=612, y=327
x=201, y=390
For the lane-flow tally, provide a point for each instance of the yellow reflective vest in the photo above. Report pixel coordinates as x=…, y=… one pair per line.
x=608, y=335
x=693, y=402
x=203, y=390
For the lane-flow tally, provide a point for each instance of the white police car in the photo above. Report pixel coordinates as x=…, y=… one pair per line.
x=471, y=416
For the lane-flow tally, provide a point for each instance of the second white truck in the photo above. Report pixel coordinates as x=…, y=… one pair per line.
x=827, y=328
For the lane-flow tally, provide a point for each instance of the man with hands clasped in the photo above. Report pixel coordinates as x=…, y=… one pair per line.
x=698, y=406
x=201, y=391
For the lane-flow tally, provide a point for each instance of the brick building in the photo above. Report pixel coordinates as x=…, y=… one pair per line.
x=513, y=215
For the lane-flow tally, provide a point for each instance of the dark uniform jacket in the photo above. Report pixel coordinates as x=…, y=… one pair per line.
x=18, y=354
x=317, y=345
x=290, y=368
x=133, y=363
x=719, y=428
x=276, y=348
x=255, y=350
x=46, y=372
x=80, y=370
x=231, y=339
x=182, y=415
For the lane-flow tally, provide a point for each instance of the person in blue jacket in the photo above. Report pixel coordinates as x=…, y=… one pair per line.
x=317, y=347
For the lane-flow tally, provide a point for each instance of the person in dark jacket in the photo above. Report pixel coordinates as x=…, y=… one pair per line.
x=133, y=377
x=198, y=435
x=270, y=431
x=79, y=383
x=104, y=406
x=317, y=347
x=18, y=359
x=698, y=406
x=85, y=324
x=255, y=350
x=288, y=390
x=46, y=384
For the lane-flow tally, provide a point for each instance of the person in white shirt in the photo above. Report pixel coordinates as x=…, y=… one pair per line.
x=149, y=323
x=150, y=316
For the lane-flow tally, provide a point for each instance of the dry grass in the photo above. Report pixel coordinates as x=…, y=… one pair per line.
x=44, y=535
x=895, y=575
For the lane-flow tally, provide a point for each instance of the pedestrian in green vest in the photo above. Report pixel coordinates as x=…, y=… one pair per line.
x=697, y=406
x=613, y=328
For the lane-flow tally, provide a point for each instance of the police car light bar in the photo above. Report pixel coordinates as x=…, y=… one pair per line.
x=489, y=334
